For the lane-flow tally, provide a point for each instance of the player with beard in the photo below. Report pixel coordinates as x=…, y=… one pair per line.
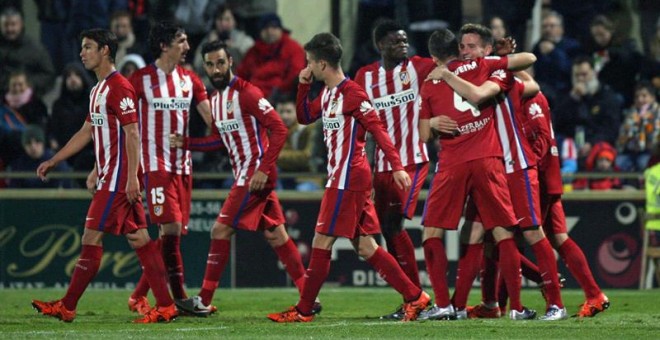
x=393, y=84
x=166, y=92
x=253, y=133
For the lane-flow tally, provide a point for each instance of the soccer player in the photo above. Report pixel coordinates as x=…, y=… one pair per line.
x=165, y=93
x=554, y=219
x=521, y=173
x=346, y=209
x=470, y=163
x=253, y=133
x=393, y=85
x=117, y=204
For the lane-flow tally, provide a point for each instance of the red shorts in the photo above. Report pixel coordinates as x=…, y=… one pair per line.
x=110, y=212
x=554, y=218
x=524, y=189
x=484, y=180
x=168, y=197
x=390, y=198
x=345, y=213
x=251, y=211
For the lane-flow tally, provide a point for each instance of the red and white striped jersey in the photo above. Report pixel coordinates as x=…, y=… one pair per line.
x=243, y=118
x=164, y=108
x=347, y=115
x=395, y=94
x=511, y=120
x=111, y=106
x=477, y=136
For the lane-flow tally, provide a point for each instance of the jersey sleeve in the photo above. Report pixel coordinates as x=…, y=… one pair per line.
x=121, y=102
x=359, y=106
x=307, y=111
x=252, y=100
x=211, y=142
x=199, y=90
x=498, y=72
x=359, y=77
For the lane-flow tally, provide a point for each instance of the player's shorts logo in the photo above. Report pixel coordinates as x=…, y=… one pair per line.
x=158, y=210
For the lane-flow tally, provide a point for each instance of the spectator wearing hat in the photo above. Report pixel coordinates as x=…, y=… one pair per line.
x=275, y=60
x=36, y=151
x=130, y=63
x=600, y=159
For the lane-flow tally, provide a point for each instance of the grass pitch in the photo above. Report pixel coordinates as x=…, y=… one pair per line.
x=350, y=313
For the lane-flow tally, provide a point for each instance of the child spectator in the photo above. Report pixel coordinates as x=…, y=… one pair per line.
x=639, y=130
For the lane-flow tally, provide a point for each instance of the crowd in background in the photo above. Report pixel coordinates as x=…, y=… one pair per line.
x=601, y=84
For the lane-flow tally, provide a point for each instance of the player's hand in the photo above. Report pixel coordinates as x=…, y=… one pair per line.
x=258, y=181
x=438, y=73
x=444, y=124
x=91, y=181
x=305, y=76
x=44, y=168
x=176, y=140
x=402, y=179
x=133, y=192
x=504, y=46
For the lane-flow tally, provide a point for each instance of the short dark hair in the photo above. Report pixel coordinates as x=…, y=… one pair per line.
x=163, y=33
x=443, y=44
x=215, y=45
x=327, y=47
x=646, y=85
x=10, y=11
x=581, y=59
x=483, y=32
x=103, y=37
x=121, y=14
x=384, y=28
x=602, y=20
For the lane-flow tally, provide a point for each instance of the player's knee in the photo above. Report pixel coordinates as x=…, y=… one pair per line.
x=173, y=228
x=558, y=239
x=92, y=237
x=276, y=236
x=138, y=239
x=221, y=231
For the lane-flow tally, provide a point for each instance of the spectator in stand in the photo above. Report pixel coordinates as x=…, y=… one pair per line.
x=600, y=159
x=69, y=113
x=249, y=13
x=592, y=111
x=616, y=59
x=130, y=63
x=224, y=29
x=275, y=60
x=297, y=151
x=554, y=51
x=640, y=130
x=497, y=27
x=18, y=51
x=12, y=125
x=121, y=24
x=53, y=17
x=36, y=152
x=23, y=99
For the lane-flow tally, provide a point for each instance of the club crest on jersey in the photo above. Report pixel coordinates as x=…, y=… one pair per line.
x=264, y=105
x=100, y=100
x=127, y=106
x=404, y=77
x=185, y=86
x=158, y=210
x=230, y=107
x=333, y=108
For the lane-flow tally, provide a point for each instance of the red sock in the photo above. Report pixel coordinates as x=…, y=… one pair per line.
x=489, y=279
x=510, y=269
x=319, y=267
x=530, y=270
x=142, y=287
x=174, y=265
x=468, y=269
x=290, y=257
x=154, y=269
x=574, y=258
x=392, y=273
x=85, y=270
x=215, y=265
x=548, y=267
x=502, y=294
x=436, y=267
x=405, y=256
